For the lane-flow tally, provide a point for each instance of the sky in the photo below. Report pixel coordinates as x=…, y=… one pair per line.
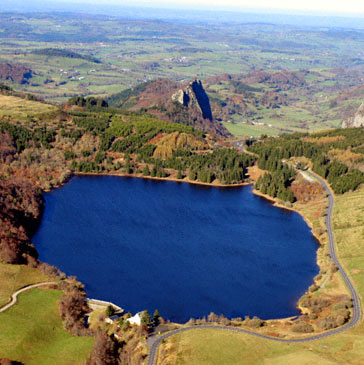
x=353, y=7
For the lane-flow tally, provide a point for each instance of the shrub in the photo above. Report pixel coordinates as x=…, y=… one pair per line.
x=73, y=307
x=327, y=323
x=146, y=171
x=314, y=304
x=302, y=327
x=254, y=322
x=104, y=351
x=313, y=288
x=342, y=317
x=110, y=310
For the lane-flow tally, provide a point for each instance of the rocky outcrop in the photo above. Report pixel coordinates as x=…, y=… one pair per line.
x=356, y=121
x=185, y=103
x=194, y=96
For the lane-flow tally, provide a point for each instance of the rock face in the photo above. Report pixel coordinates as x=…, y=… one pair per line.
x=356, y=121
x=194, y=96
x=185, y=103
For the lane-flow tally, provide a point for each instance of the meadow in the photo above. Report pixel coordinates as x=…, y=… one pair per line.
x=135, y=51
x=14, y=277
x=14, y=107
x=32, y=332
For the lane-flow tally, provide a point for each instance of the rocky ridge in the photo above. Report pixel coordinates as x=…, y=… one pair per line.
x=356, y=121
x=184, y=103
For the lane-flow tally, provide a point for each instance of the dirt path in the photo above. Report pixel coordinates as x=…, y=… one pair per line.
x=14, y=296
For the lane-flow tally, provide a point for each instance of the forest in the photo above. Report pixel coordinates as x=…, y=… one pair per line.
x=342, y=175
x=57, y=52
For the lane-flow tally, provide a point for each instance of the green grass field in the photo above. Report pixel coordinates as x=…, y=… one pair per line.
x=241, y=130
x=32, y=332
x=214, y=347
x=20, y=108
x=14, y=277
x=348, y=223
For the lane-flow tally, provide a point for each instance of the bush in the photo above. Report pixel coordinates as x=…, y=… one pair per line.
x=110, y=310
x=327, y=323
x=314, y=304
x=73, y=307
x=254, y=322
x=313, y=288
x=342, y=317
x=302, y=327
x=104, y=352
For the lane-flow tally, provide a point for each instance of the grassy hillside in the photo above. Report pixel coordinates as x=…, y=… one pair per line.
x=15, y=107
x=14, y=277
x=205, y=347
x=32, y=332
x=326, y=87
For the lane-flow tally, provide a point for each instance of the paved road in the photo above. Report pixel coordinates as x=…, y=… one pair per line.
x=14, y=296
x=155, y=341
x=332, y=252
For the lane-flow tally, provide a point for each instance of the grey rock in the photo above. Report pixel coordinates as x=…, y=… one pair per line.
x=194, y=96
x=356, y=121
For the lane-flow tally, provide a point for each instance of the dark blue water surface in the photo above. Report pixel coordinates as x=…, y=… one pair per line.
x=184, y=249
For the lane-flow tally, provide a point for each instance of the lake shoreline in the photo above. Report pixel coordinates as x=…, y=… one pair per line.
x=140, y=176
x=254, y=191
x=276, y=202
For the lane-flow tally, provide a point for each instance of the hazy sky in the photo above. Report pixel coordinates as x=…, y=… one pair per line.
x=323, y=6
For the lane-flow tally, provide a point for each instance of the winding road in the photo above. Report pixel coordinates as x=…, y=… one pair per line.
x=155, y=341
x=14, y=296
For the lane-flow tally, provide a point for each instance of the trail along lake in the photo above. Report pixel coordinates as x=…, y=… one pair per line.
x=187, y=250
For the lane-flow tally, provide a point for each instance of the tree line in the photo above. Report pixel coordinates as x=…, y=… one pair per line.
x=341, y=177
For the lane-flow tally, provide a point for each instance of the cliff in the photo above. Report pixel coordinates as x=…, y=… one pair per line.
x=184, y=103
x=194, y=97
x=356, y=121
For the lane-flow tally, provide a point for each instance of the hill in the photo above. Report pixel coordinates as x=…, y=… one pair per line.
x=15, y=73
x=58, y=52
x=42, y=151
x=356, y=121
x=44, y=145
x=186, y=103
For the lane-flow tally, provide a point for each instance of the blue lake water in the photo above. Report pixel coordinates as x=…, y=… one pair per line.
x=187, y=250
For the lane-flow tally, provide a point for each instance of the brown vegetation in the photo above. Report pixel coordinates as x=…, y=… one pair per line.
x=324, y=140
x=171, y=142
x=73, y=307
x=157, y=98
x=15, y=73
x=305, y=191
x=346, y=156
x=104, y=351
x=20, y=210
x=302, y=327
x=9, y=362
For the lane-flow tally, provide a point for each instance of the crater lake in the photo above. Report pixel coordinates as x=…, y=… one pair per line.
x=186, y=250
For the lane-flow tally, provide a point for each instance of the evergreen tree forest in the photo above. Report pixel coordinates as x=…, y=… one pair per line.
x=342, y=176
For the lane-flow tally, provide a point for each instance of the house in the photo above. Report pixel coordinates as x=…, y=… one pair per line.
x=112, y=318
x=137, y=319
